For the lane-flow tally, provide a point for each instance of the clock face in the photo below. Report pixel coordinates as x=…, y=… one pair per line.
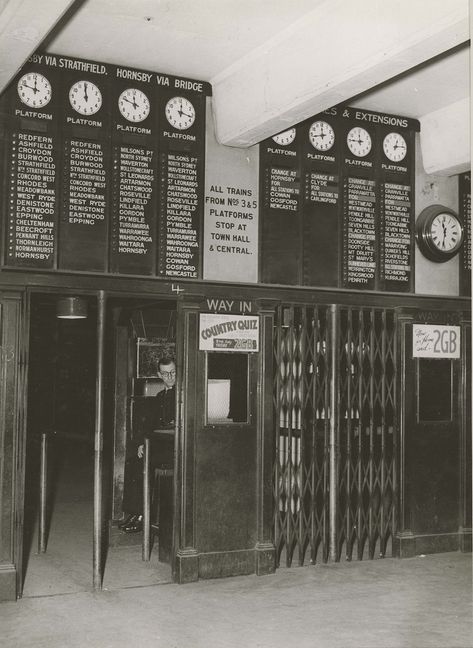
x=439, y=233
x=85, y=98
x=285, y=138
x=180, y=113
x=394, y=147
x=321, y=136
x=34, y=90
x=134, y=105
x=359, y=141
x=446, y=232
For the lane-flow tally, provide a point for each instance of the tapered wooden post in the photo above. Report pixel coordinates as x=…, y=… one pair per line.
x=98, y=463
x=43, y=490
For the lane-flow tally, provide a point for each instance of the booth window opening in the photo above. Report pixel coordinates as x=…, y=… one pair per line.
x=227, y=388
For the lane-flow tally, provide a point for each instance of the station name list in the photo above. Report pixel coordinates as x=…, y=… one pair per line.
x=105, y=170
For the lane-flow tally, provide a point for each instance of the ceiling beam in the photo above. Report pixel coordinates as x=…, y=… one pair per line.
x=335, y=52
x=23, y=26
x=445, y=139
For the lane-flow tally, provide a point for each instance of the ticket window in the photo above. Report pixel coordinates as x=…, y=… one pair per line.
x=227, y=388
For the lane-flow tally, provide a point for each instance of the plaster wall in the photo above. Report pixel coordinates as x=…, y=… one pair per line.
x=435, y=278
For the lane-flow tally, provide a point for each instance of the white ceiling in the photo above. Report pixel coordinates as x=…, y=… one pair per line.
x=193, y=38
x=319, y=49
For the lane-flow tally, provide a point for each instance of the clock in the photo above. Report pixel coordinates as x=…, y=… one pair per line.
x=34, y=90
x=180, y=113
x=286, y=137
x=321, y=136
x=133, y=105
x=394, y=147
x=439, y=233
x=359, y=141
x=85, y=97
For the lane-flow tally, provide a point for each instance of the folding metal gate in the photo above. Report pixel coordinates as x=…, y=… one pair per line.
x=335, y=403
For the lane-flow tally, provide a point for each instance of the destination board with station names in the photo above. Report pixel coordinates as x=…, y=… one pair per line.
x=353, y=225
x=105, y=169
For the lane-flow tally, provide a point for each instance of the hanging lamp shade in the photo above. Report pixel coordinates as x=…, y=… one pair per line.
x=71, y=308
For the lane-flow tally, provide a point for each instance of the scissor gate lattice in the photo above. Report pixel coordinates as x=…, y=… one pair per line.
x=362, y=373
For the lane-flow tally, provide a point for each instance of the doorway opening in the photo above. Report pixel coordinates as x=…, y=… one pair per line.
x=62, y=374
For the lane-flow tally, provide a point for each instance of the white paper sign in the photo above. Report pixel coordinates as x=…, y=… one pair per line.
x=435, y=341
x=228, y=332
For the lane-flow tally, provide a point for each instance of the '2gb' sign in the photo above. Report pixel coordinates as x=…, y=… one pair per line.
x=435, y=341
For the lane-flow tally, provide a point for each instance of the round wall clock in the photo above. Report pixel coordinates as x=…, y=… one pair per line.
x=286, y=137
x=359, y=141
x=34, y=90
x=133, y=105
x=180, y=113
x=395, y=147
x=85, y=97
x=439, y=233
x=321, y=136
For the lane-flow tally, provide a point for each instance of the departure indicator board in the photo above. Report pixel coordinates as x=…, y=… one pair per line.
x=105, y=168
x=352, y=222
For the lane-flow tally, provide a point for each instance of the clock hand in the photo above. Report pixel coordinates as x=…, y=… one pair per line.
x=133, y=103
x=35, y=89
x=185, y=114
x=396, y=145
x=86, y=96
x=25, y=85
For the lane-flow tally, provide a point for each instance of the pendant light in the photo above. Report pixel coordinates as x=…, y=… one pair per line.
x=71, y=308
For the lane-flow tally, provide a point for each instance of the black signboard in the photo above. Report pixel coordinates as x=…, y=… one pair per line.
x=32, y=163
x=280, y=182
x=465, y=213
x=338, y=204
x=134, y=187
x=321, y=201
x=83, y=223
x=181, y=179
x=84, y=140
x=84, y=209
x=396, y=240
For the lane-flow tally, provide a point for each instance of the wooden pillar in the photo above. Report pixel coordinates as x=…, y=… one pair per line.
x=334, y=446
x=98, y=463
x=185, y=560
x=265, y=549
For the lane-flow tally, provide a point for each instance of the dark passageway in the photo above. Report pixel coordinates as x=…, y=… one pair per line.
x=62, y=404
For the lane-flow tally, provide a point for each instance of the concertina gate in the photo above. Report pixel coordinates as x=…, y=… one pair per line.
x=334, y=472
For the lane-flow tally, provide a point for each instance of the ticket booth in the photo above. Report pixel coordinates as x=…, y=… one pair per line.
x=223, y=509
x=435, y=433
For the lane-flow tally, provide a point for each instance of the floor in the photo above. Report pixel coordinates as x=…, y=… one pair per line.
x=422, y=602
x=66, y=566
